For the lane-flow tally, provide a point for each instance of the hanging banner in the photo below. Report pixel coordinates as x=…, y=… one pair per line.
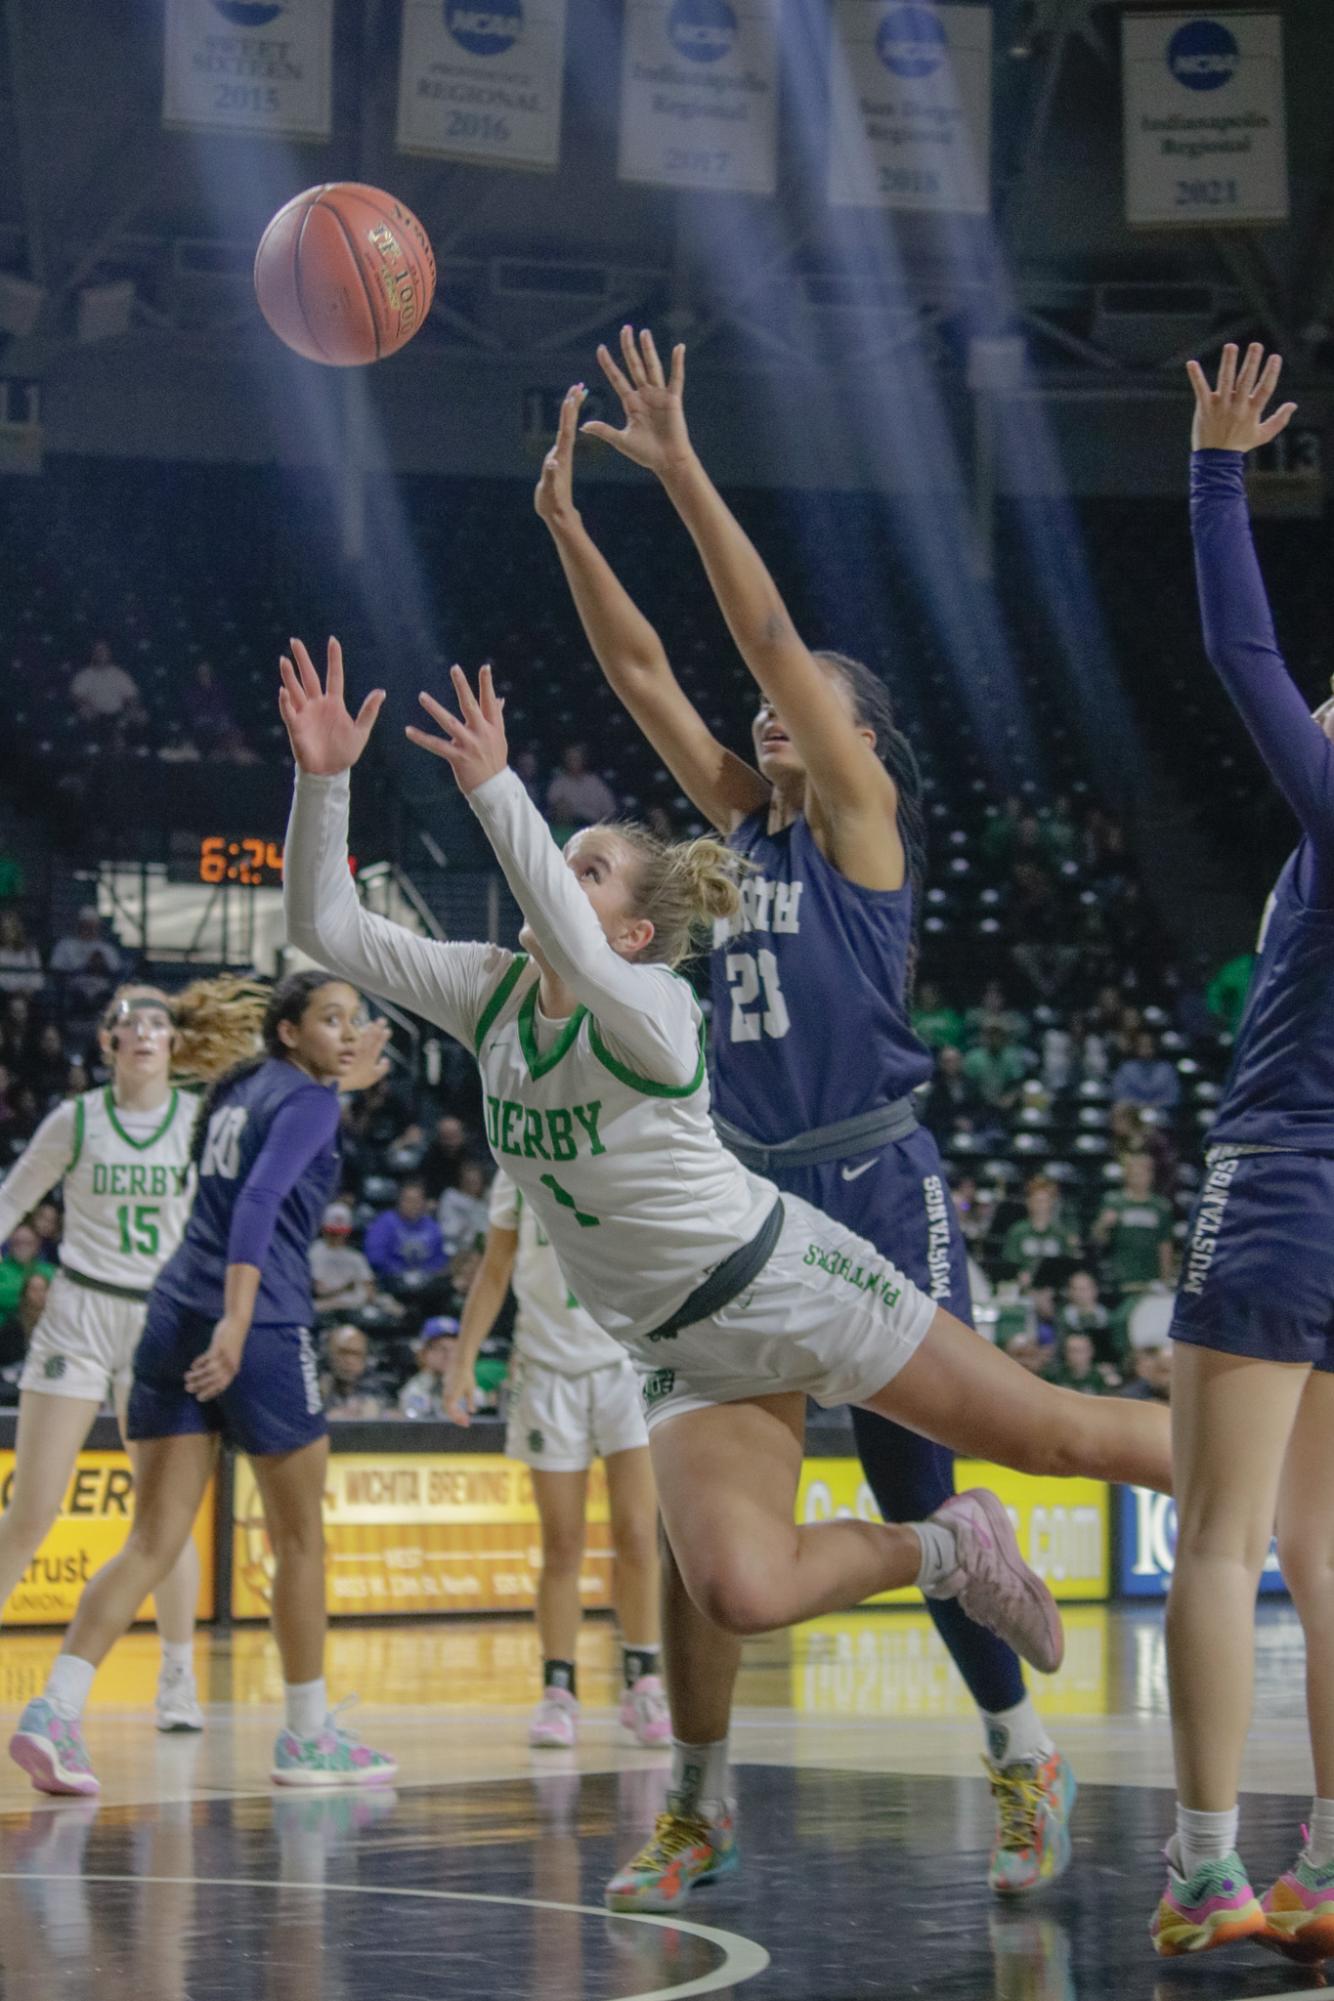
x=699, y=94
x=249, y=66
x=482, y=80
x=910, y=107
x=1204, y=125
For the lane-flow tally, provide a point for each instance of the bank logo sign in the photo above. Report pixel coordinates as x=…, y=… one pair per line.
x=1147, y=1546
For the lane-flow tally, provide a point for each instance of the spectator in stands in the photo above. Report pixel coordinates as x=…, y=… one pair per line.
x=1146, y=1079
x=20, y=961
x=1134, y=1230
x=1039, y=1235
x=1043, y=1313
x=1079, y=1368
x=462, y=1213
x=423, y=1394
x=526, y=764
x=102, y=692
x=341, y=1278
x=48, y=1223
x=996, y=1067
x=1084, y=1312
x=1022, y=1348
x=1227, y=990
x=576, y=796
x=21, y=1259
x=440, y=1164
x=1152, y=1380
x=88, y=962
x=404, y=1244
x=935, y=1024
x=350, y=1387
x=208, y=713
x=993, y=1007
x=48, y=1068
x=953, y=1103
x=16, y=1327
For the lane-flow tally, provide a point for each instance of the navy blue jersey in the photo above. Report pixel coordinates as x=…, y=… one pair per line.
x=809, y=1021
x=268, y=1168
x=1280, y=1089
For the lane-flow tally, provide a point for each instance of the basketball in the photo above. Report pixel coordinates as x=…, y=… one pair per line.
x=344, y=274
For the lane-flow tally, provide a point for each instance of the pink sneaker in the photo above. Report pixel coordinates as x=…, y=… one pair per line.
x=994, y=1585
x=555, y=1724
x=644, y=1713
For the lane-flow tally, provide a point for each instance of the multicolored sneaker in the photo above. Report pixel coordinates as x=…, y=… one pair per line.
x=555, y=1724
x=1299, y=1911
x=1034, y=1801
x=1214, y=1906
x=994, y=1585
x=686, y=1849
x=332, y=1757
x=177, y=1706
x=644, y=1713
x=51, y=1750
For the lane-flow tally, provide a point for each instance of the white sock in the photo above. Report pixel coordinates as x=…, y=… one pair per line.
x=68, y=1684
x=1320, y=1834
x=1015, y=1734
x=699, y=1773
x=307, y=1706
x=940, y=1556
x=1204, y=1837
x=179, y=1654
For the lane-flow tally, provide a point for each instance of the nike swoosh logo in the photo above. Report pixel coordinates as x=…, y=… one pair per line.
x=851, y=1173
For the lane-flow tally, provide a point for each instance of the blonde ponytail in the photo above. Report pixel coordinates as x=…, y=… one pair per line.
x=219, y=1023
x=684, y=888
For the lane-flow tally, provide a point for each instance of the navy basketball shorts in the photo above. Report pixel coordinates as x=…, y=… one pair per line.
x=899, y=1199
x=271, y=1406
x=1257, y=1273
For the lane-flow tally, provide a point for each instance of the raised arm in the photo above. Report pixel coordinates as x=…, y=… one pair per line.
x=1238, y=629
x=48, y=1155
x=444, y=983
x=853, y=788
x=631, y=655
x=649, y=1012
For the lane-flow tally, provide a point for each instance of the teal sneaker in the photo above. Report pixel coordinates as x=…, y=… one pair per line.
x=1299, y=1910
x=1215, y=1906
x=51, y=1750
x=1033, y=1807
x=686, y=1850
x=332, y=1757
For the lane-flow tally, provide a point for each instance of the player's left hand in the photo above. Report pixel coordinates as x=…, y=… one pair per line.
x=215, y=1370
x=370, y=1063
x=473, y=743
x=1230, y=417
x=655, y=433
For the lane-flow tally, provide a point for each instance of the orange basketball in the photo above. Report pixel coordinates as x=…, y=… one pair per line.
x=344, y=274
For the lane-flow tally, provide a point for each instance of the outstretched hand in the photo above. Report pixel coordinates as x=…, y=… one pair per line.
x=473, y=743
x=655, y=432
x=1230, y=417
x=325, y=737
x=554, y=498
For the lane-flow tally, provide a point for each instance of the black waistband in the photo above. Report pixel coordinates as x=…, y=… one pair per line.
x=861, y=1134
x=101, y=1285
x=726, y=1280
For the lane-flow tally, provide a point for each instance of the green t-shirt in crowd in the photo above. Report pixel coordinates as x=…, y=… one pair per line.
x=939, y=1027
x=13, y=1278
x=1142, y=1224
x=994, y=1071
x=1023, y=1247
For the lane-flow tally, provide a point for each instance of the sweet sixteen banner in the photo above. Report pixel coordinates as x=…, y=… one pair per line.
x=249, y=66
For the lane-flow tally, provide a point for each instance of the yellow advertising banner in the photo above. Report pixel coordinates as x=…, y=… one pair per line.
x=1063, y=1526
x=421, y=1532
x=92, y=1527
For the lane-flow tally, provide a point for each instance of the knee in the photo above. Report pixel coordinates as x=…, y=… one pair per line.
x=636, y=1543
x=1308, y=1571
x=25, y=1525
x=298, y=1538
x=156, y=1544
x=732, y=1595
x=563, y=1549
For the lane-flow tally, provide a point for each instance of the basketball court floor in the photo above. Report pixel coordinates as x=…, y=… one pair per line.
x=865, y=1825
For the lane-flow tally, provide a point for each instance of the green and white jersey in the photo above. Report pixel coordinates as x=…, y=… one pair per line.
x=550, y=1327
x=128, y=1184
x=602, y=1120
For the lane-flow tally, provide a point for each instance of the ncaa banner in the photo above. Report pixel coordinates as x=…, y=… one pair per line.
x=249, y=66
x=1204, y=123
x=910, y=107
x=482, y=80
x=699, y=94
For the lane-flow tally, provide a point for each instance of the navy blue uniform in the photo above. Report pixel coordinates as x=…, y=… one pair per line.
x=267, y=1170
x=1258, y=1271
x=810, y=1028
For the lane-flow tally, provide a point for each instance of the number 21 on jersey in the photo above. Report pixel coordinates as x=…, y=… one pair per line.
x=753, y=977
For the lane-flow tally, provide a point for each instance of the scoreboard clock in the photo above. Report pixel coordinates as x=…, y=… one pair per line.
x=247, y=859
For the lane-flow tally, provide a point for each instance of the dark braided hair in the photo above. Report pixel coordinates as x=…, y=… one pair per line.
x=288, y=1001
x=873, y=708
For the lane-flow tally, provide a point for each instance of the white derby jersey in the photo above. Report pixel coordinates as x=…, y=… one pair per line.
x=128, y=1184
x=601, y=1120
x=550, y=1327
